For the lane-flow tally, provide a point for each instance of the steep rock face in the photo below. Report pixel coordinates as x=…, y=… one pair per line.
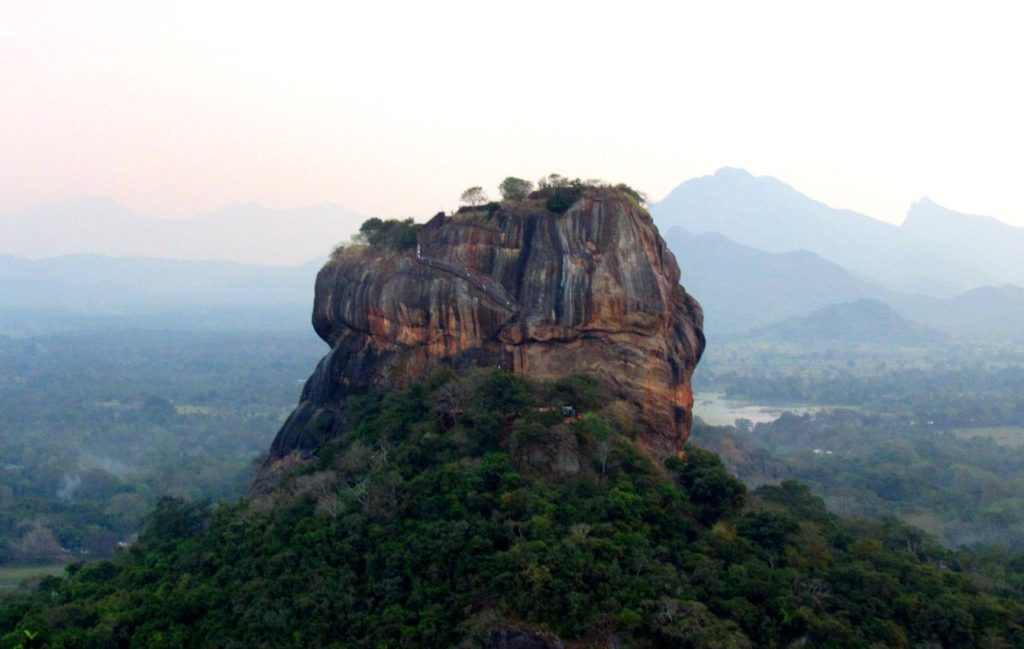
x=592, y=290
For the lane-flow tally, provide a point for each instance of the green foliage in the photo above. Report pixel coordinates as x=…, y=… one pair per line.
x=175, y=519
x=638, y=197
x=425, y=525
x=29, y=640
x=961, y=490
x=578, y=390
x=560, y=193
x=562, y=199
x=711, y=489
x=87, y=446
x=515, y=189
x=392, y=233
x=890, y=438
x=557, y=193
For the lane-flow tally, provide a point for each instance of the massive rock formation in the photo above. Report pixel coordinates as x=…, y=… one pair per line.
x=593, y=290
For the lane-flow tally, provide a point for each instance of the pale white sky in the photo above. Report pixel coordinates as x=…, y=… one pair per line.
x=393, y=108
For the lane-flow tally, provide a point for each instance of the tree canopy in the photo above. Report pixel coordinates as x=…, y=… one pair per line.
x=395, y=233
x=474, y=196
x=461, y=505
x=515, y=189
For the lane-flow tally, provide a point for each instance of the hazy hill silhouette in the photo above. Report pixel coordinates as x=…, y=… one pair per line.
x=251, y=234
x=859, y=322
x=742, y=288
x=985, y=313
x=767, y=214
x=999, y=246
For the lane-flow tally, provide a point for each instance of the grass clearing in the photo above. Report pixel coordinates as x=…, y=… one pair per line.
x=1012, y=436
x=12, y=576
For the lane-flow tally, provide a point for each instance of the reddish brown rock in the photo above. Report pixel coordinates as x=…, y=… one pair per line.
x=592, y=290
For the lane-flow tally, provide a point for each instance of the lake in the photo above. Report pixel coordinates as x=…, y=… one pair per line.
x=717, y=410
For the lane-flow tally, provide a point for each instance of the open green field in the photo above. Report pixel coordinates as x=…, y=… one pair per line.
x=1006, y=435
x=12, y=576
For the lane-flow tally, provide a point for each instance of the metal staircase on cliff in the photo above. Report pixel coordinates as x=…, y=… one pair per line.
x=486, y=285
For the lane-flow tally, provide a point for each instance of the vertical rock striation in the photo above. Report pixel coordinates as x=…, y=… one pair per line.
x=592, y=290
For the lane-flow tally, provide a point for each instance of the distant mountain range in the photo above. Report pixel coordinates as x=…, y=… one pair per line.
x=748, y=292
x=754, y=251
x=97, y=283
x=742, y=288
x=936, y=252
x=745, y=293
x=250, y=234
x=769, y=262
x=997, y=246
x=986, y=313
x=90, y=291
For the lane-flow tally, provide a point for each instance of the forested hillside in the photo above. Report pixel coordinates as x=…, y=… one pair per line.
x=513, y=519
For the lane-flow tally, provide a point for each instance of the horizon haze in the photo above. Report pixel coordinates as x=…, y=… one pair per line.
x=185, y=108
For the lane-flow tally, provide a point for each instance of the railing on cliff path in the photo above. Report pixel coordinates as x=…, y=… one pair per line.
x=486, y=285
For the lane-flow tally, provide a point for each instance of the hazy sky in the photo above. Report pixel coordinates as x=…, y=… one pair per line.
x=393, y=108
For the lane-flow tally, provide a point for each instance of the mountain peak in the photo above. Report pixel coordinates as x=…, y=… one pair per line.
x=733, y=172
x=926, y=213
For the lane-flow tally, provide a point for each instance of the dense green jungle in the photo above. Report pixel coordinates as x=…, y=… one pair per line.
x=96, y=426
x=415, y=531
